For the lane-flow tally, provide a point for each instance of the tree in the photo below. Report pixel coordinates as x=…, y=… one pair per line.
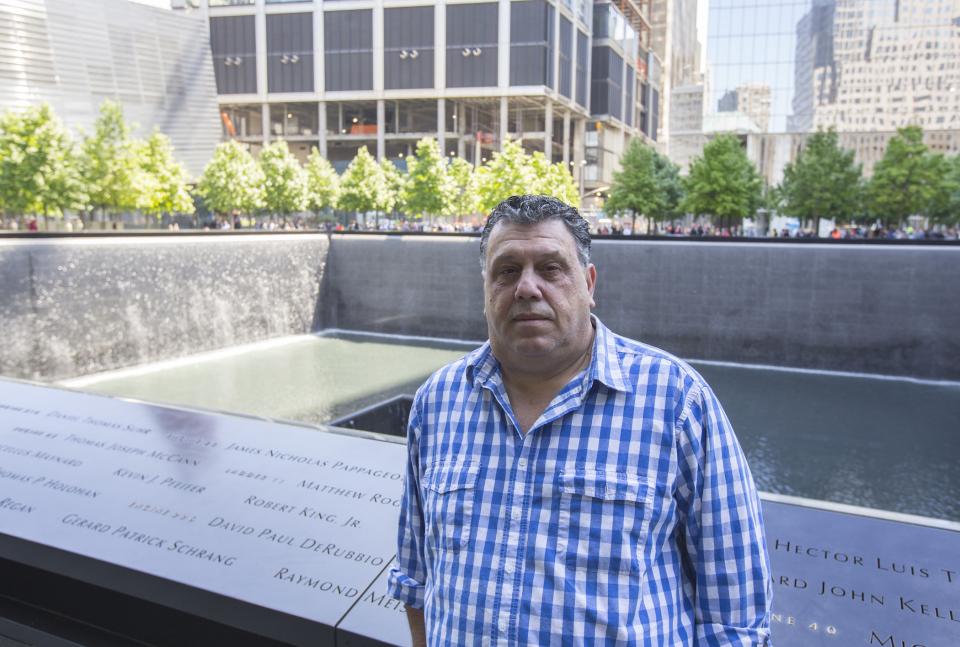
x=108, y=162
x=723, y=182
x=393, y=186
x=362, y=185
x=232, y=180
x=823, y=182
x=946, y=204
x=161, y=179
x=671, y=186
x=552, y=179
x=38, y=170
x=635, y=188
x=323, y=183
x=906, y=181
x=462, y=198
x=284, y=181
x=508, y=173
x=425, y=191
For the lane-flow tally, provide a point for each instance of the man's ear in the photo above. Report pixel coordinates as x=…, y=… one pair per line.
x=591, y=273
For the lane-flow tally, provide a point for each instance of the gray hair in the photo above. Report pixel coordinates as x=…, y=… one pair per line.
x=532, y=210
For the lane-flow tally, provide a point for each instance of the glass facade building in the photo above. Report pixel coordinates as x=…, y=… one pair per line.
x=572, y=79
x=781, y=69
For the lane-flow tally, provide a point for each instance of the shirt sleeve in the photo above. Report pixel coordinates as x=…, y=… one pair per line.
x=723, y=529
x=407, y=577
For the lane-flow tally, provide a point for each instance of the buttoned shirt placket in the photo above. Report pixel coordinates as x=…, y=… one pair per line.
x=511, y=555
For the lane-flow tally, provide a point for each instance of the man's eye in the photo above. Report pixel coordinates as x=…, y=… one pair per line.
x=552, y=269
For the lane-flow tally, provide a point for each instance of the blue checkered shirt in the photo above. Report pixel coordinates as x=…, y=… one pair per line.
x=625, y=516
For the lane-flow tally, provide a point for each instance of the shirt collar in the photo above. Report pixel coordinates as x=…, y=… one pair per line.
x=605, y=364
x=604, y=367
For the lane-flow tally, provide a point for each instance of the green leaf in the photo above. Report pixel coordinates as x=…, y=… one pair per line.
x=284, y=181
x=39, y=171
x=232, y=180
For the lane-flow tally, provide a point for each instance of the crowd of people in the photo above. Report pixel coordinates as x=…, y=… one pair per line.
x=601, y=227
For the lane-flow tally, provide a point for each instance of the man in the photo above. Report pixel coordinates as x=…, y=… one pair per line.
x=566, y=485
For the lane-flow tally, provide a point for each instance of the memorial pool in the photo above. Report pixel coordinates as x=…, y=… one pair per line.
x=890, y=444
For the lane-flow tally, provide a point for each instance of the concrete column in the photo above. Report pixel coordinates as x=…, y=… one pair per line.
x=573, y=59
x=442, y=126
x=579, y=136
x=322, y=129
x=556, y=47
x=381, y=129
x=318, y=70
x=566, y=139
x=265, y=122
x=461, y=144
x=440, y=45
x=548, y=131
x=504, y=115
x=378, y=50
x=260, y=37
x=503, y=44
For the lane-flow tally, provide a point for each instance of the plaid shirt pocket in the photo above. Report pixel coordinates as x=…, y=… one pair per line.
x=604, y=521
x=448, y=503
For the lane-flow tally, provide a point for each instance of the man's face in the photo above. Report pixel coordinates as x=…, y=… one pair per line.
x=537, y=295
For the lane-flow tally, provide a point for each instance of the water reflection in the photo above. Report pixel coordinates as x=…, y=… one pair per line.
x=884, y=444
x=888, y=444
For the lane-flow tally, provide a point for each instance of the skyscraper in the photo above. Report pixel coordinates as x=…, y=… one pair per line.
x=876, y=65
x=752, y=100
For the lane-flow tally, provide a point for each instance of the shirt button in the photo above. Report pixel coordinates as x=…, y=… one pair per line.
x=508, y=568
x=561, y=546
x=522, y=463
x=515, y=515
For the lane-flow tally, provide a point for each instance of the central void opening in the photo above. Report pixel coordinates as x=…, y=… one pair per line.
x=861, y=440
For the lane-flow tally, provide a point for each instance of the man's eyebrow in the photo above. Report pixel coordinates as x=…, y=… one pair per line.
x=508, y=257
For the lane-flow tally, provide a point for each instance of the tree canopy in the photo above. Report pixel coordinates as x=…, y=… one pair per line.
x=232, y=180
x=161, y=181
x=507, y=173
x=462, y=198
x=323, y=183
x=945, y=208
x=636, y=189
x=425, y=191
x=512, y=171
x=362, y=185
x=284, y=180
x=393, y=186
x=671, y=185
x=823, y=182
x=723, y=183
x=38, y=169
x=108, y=162
x=906, y=181
x=553, y=179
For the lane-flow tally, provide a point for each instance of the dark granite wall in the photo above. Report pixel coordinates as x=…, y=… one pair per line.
x=71, y=306
x=75, y=305
x=863, y=308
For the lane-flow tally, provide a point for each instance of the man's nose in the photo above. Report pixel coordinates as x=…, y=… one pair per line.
x=528, y=286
